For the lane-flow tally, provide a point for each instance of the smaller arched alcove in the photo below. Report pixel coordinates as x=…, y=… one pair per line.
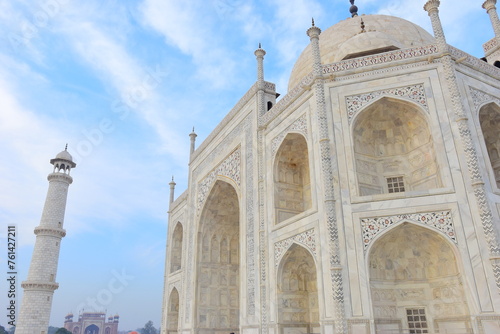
x=176, y=250
x=298, y=291
x=415, y=282
x=292, y=182
x=489, y=118
x=76, y=330
x=173, y=312
x=393, y=149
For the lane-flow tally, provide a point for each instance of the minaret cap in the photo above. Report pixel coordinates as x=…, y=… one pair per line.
x=64, y=155
x=313, y=31
x=260, y=51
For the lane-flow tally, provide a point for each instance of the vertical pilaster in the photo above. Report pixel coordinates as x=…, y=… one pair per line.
x=260, y=53
x=327, y=162
x=477, y=182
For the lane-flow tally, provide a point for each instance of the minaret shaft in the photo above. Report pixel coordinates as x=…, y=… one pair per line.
x=39, y=287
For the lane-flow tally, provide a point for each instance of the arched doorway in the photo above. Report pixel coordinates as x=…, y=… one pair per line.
x=218, y=266
x=173, y=312
x=92, y=329
x=415, y=283
x=292, y=182
x=393, y=149
x=298, y=308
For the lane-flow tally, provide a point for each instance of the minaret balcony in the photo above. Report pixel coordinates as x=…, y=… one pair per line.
x=50, y=231
x=60, y=177
x=37, y=286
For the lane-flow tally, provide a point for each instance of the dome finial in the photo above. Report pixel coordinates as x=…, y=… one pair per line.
x=260, y=46
x=354, y=9
x=66, y=147
x=362, y=26
x=313, y=21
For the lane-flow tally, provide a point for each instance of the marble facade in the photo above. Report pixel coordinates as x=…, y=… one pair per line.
x=365, y=200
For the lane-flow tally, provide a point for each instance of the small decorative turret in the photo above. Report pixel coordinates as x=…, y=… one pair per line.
x=172, y=188
x=313, y=32
x=68, y=318
x=260, y=53
x=491, y=9
x=193, y=136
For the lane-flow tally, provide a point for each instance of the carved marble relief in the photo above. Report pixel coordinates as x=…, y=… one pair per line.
x=230, y=168
x=440, y=221
x=299, y=125
x=414, y=93
x=480, y=97
x=306, y=239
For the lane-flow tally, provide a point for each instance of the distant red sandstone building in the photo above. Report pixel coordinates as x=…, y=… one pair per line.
x=92, y=323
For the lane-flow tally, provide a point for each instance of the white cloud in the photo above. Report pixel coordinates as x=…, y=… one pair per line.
x=190, y=28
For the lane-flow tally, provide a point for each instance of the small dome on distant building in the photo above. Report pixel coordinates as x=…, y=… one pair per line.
x=348, y=39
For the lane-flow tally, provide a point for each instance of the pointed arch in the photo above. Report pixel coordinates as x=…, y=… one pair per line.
x=393, y=149
x=415, y=280
x=173, y=312
x=489, y=119
x=218, y=286
x=297, y=291
x=91, y=329
x=176, y=250
x=292, y=181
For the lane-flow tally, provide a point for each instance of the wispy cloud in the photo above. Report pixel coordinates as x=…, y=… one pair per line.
x=193, y=32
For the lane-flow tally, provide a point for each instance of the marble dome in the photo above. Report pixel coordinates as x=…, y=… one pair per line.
x=345, y=40
x=64, y=155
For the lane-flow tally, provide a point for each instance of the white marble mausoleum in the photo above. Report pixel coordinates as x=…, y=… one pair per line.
x=366, y=200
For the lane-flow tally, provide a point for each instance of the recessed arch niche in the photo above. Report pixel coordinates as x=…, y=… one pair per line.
x=173, y=312
x=292, y=181
x=176, y=250
x=489, y=118
x=415, y=281
x=298, y=308
x=393, y=149
x=218, y=262
x=92, y=329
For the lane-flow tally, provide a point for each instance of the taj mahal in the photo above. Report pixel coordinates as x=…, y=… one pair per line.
x=365, y=200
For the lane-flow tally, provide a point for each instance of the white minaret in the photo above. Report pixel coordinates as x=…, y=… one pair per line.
x=41, y=283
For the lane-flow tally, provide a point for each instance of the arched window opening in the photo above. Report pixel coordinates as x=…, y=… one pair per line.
x=176, y=257
x=298, y=292
x=489, y=118
x=496, y=63
x=292, y=182
x=218, y=268
x=269, y=105
x=173, y=312
x=393, y=149
x=415, y=281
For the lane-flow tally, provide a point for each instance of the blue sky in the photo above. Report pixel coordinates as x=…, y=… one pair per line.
x=123, y=82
